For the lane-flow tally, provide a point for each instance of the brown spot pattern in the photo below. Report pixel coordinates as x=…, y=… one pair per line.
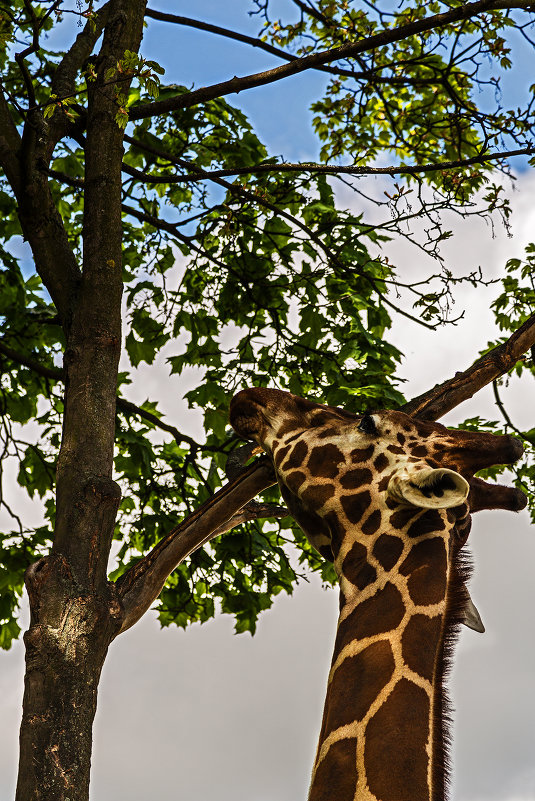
x=402, y=517
x=383, y=484
x=362, y=454
x=387, y=550
x=420, y=642
x=419, y=450
x=356, y=569
x=336, y=775
x=381, y=462
x=280, y=455
x=356, y=684
x=312, y=524
x=395, y=449
x=356, y=478
x=320, y=418
x=297, y=456
x=336, y=529
x=328, y=432
x=355, y=505
x=394, y=754
x=326, y=552
x=292, y=438
x=372, y=523
x=324, y=461
x=427, y=523
x=294, y=480
x=315, y=496
x=287, y=427
x=377, y=615
x=426, y=566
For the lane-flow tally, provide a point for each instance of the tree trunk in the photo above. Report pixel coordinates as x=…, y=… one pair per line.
x=66, y=645
x=74, y=610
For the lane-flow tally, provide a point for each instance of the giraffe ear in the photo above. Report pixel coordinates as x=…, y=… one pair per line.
x=429, y=488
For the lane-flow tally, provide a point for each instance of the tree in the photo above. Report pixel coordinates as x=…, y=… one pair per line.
x=229, y=260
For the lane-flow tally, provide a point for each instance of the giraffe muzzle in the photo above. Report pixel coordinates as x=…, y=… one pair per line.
x=428, y=488
x=245, y=413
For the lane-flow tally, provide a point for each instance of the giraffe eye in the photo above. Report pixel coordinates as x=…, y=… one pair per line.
x=367, y=425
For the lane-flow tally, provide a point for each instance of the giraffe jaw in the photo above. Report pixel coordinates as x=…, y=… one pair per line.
x=428, y=488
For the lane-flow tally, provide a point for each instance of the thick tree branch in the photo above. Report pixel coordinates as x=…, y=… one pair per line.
x=10, y=144
x=350, y=50
x=446, y=396
x=140, y=586
x=39, y=218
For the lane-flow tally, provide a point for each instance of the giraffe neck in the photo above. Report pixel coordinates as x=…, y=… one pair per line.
x=383, y=723
x=388, y=497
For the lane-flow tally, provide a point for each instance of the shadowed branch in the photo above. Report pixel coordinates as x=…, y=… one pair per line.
x=140, y=586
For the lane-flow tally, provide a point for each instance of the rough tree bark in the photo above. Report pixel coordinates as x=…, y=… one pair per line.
x=74, y=612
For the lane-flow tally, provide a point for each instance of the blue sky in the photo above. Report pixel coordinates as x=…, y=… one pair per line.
x=280, y=111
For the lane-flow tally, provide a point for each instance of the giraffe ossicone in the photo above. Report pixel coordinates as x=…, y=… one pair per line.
x=387, y=498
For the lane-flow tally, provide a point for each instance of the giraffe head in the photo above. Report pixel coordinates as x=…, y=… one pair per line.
x=337, y=469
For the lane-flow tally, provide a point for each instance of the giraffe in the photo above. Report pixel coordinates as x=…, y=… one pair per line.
x=387, y=498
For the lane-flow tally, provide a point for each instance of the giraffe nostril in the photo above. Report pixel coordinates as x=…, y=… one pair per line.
x=244, y=415
x=245, y=425
x=517, y=449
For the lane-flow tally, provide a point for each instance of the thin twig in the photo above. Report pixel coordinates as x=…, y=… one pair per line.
x=501, y=407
